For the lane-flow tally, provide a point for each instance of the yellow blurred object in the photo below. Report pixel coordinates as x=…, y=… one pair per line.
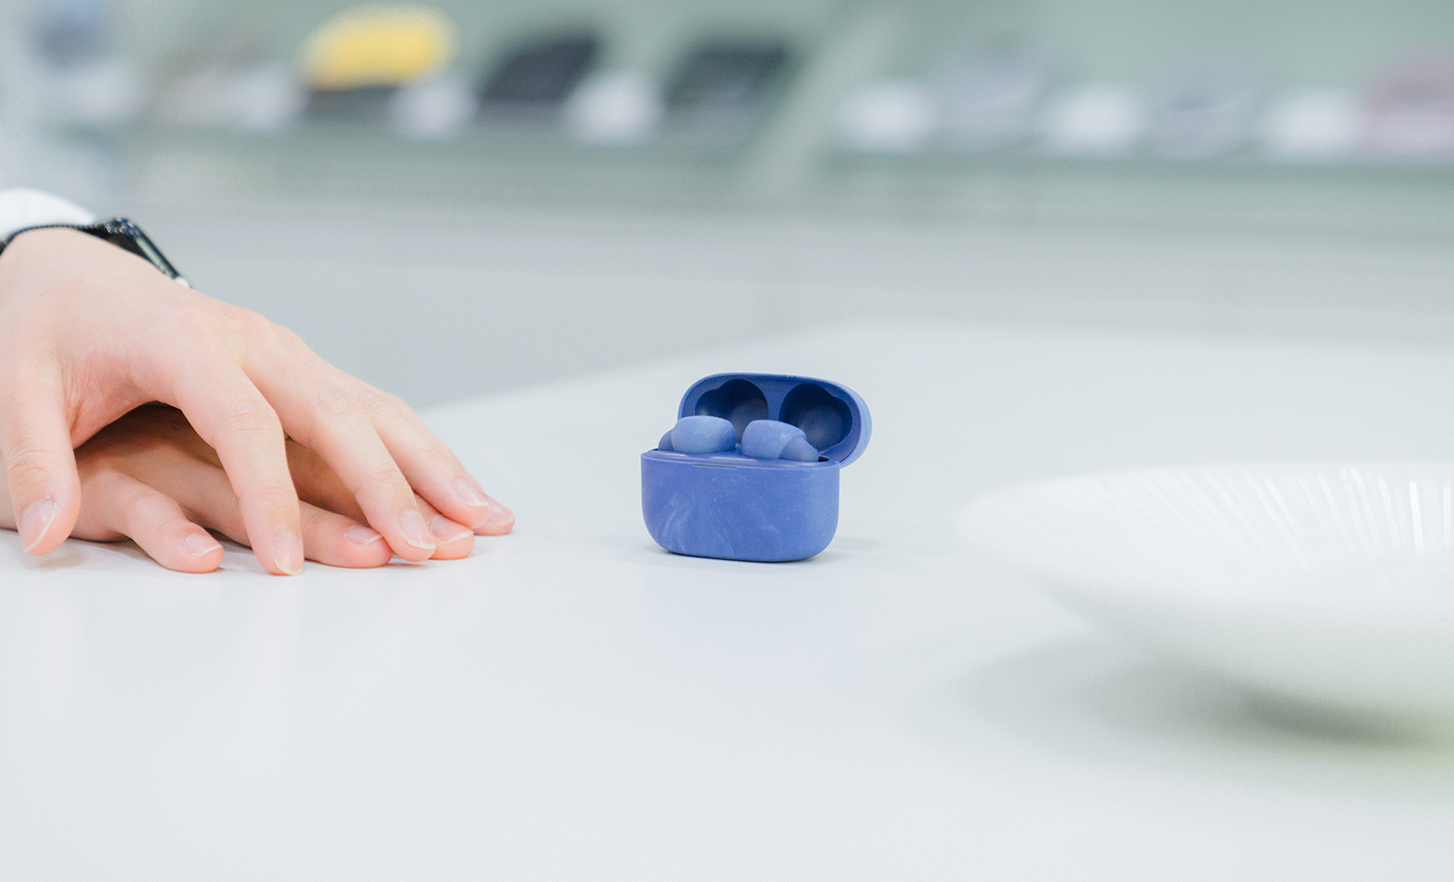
x=379, y=46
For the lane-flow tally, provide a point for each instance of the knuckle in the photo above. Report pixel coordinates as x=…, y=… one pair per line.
x=435, y=459
x=187, y=331
x=275, y=496
x=288, y=337
x=377, y=401
x=135, y=505
x=388, y=476
x=140, y=505
x=250, y=325
x=252, y=415
x=28, y=462
x=333, y=402
x=197, y=325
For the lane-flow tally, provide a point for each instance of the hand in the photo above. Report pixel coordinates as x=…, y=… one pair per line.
x=150, y=478
x=89, y=332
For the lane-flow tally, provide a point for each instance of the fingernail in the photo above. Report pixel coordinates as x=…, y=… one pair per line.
x=446, y=530
x=35, y=521
x=360, y=535
x=200, y=544
x=411, y=524
x=470, y=494
x=288, y=553
x=499, y=516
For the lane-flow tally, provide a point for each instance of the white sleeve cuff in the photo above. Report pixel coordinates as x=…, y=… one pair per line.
x=22, y=207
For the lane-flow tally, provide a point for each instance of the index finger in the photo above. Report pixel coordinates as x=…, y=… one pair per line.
x=230, y=414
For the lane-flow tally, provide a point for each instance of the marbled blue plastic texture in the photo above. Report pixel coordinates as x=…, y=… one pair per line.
x=702, y=434
x=738, y=507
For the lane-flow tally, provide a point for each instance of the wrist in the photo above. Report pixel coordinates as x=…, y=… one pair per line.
x=118, y=231
x=22, y=207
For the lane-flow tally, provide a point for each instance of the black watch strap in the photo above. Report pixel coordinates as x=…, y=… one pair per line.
x=120, y=232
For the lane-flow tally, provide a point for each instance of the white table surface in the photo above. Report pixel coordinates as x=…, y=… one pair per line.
x=573, y=702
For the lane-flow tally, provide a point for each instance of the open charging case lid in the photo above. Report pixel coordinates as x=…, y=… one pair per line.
x=833, y=417
x=736, y=507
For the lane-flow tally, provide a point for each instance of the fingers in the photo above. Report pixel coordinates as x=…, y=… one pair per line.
x=381, y=452
x=328, y=419
x=328, y=537
x=317, y=484
x=202, y=489
x=124, y=506
x=40, y=466
x=338, y=541
x=119, y=505
x=178, y=494
x=452, y=540
x=231, y=415
x=431, y=467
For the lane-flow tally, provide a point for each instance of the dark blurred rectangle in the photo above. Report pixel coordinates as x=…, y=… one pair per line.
x=723, y=87
x=727, y=75
x=541, y=74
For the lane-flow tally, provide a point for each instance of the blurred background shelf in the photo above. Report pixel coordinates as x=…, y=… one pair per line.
x=1412, y=202
x=491, y=249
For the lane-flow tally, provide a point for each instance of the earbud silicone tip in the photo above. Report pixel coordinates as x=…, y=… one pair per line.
x=702, y=434
x=770, y=439
x=665, y=443
x=799, y=449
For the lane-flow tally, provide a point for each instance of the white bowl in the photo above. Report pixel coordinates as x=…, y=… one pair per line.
x=1331, y=585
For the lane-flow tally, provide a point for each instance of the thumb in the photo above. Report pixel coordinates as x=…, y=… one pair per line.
x=40, y=466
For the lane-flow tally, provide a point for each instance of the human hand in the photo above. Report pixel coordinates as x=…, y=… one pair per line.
x=89, y=332
x=150, y=478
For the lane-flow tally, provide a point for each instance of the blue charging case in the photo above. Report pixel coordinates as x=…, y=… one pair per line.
x=735, y=507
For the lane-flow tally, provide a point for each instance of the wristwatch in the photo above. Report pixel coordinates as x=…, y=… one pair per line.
x=120, y=232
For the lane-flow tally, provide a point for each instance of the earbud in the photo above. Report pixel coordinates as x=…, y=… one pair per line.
x=700, y=434
x=770, y=439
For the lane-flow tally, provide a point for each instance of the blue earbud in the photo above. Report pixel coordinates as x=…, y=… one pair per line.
x=770, y=439
x=700, y=434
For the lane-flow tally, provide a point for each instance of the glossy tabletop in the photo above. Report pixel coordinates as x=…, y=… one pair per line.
x=573, y=702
